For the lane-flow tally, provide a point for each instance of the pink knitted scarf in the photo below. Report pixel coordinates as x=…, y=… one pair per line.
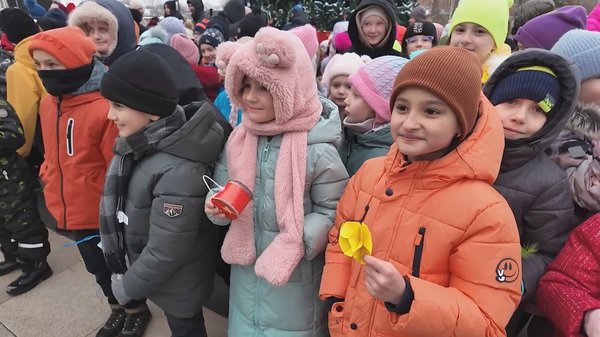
x=282, y=256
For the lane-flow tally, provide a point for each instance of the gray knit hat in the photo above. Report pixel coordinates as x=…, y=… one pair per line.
x=583, y=47
x=419, y=13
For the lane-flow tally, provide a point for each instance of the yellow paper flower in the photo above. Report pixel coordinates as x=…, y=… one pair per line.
x=355, y=240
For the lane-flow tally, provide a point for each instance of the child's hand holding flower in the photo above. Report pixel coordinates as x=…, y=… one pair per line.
x=384, y=282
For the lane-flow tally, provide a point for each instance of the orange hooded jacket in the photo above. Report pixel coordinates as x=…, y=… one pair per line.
x=444, y=227
x=78, y=137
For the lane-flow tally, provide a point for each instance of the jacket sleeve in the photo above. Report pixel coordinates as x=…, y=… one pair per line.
x=170, y=238
x=338, y=267
x=11, y=131
x=220, y=176
x=475, y=303
x=546, y=225
x=570, y=287
x=24, y=93
x=328, y=182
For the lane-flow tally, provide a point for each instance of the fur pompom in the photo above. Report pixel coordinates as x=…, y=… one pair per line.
x=276, y=48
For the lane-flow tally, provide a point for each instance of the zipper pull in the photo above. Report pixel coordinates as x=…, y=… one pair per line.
x=419, y=238
x=265, y=153
x=5, y=174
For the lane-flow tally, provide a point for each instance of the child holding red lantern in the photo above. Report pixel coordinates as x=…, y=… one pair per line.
x=284, y=152
x=445, y=257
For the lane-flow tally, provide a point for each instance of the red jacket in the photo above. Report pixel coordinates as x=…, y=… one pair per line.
x=78, y=144
x=571, y=286
x=209, y=78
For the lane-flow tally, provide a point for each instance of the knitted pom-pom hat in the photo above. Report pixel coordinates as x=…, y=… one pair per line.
x=374, y=82
x=450, y=73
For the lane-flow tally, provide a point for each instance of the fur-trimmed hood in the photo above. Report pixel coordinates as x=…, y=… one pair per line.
x=120, y=23
x=518, y=152
x=279, y=62
x=586, y=121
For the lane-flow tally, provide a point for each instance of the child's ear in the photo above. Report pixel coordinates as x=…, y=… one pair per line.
x=154, y=118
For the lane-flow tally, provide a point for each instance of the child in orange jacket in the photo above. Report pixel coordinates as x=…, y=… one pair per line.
x=445, y=256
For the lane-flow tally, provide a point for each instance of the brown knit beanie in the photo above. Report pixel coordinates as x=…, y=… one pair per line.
x=450, y=73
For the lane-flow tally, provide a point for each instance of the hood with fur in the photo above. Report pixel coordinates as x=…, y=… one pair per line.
x=119, y=20
x=518, y=152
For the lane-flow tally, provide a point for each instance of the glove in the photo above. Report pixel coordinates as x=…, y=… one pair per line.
x=118, y=289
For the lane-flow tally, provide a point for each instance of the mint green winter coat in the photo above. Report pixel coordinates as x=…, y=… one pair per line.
x=257, y=308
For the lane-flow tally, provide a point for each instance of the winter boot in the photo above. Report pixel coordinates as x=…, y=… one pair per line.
x=33, y=274
x=10, y=258
x=114, y=323
x=136, y=323
x=8, y=265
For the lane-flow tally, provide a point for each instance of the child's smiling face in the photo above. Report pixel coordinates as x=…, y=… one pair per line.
x=521, y=118
x=423, y=126
x=474, y=38
x=127, y=120
x=257, y=101
x=99, y=32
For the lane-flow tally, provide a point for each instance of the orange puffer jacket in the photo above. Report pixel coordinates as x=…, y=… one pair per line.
x=78, y=142
x=443, y=226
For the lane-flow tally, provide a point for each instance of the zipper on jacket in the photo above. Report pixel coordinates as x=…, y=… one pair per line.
x=257, y=315
x=265, y=153
x=365, y=215
x=419, y=242
x=62, y=187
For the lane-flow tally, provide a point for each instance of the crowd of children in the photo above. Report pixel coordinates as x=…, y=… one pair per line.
x=419, y=181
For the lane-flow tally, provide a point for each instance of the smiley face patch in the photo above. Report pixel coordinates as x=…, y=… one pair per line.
x=507, y=271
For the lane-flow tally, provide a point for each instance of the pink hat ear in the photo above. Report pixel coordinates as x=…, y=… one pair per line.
x=276, y=48
x=224, y=53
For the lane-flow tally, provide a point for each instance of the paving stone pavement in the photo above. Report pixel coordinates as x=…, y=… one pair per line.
x=70, y=304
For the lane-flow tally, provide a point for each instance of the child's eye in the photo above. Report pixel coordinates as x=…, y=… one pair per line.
x=347, y=86
x=117, y=105
x=401, y=108
x=539, y=110
x=432, y=112
x=511, y=102
x=480, y=31
x=459, y=30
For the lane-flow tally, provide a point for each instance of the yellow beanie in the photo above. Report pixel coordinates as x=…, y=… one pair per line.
x=489, y=14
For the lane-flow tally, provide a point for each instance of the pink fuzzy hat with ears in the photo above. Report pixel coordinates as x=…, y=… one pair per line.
x=278, y=61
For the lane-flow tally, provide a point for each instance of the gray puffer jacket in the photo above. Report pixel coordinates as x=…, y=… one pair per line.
x=171, y=244
x=257, y=308
x=536, y=189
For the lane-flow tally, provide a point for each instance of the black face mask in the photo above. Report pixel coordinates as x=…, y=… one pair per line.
x=65, y=81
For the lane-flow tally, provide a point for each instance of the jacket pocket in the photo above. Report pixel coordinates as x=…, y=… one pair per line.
x=418, y=255
x=335, y=319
